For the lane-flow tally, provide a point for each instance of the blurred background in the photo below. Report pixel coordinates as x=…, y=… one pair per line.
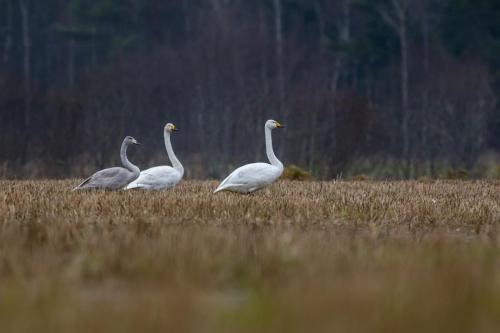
x=371, y=88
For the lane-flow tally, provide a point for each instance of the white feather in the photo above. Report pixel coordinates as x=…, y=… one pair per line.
x=157, y=178
x=161, y=178
x=253, y=177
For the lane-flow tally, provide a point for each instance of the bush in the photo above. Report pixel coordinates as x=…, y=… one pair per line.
x=361, y=178
x=293, y=172
x=457, y=174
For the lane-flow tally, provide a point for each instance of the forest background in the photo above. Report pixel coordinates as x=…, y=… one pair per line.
x=383, y=88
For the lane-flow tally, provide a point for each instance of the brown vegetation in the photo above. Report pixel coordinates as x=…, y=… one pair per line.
x=293, y=172
x=296, y=257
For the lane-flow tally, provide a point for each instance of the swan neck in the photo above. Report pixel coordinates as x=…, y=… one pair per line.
x=125, y=162
x=269, y=150
x=171, y=155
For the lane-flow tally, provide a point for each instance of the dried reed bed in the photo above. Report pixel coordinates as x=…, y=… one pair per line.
x=297, y=257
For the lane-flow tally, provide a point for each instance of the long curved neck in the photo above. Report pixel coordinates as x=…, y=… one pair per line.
x=125, y=162
x=171, y=155
x=269, y=150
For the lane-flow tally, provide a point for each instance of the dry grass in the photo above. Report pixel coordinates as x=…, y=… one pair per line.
x=297, y=257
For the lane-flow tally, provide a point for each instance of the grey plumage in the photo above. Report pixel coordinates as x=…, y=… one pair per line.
x=114, y=178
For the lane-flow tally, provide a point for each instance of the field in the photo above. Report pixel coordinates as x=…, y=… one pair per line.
x=297, y=257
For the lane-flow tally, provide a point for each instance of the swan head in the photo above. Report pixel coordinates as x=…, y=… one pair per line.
x=170, y=128
x=131, y=140
x=272, y=124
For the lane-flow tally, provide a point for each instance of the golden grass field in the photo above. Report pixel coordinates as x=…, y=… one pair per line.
x=296, y=257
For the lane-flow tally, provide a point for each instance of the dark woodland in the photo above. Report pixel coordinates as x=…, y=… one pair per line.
x=383, y=88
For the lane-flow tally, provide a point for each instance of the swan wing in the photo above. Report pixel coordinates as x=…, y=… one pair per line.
x=112, y=178
x=250, y=177
x=156, y=178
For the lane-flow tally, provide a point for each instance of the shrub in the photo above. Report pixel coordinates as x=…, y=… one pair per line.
x=293, y=172
x=459, y=174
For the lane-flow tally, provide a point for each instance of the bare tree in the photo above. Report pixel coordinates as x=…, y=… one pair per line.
x=278, y=26
x=8, y=32
x=24, y=6
x=425, y=108
x=71, y=51
x=396, y=18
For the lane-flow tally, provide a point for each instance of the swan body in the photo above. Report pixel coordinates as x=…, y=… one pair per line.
x=252, y=177
x=161, y=178
x=113, y=178
x=157, y=178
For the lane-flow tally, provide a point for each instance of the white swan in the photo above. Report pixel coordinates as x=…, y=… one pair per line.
x=161, y=177
x=114, y=178
x=253, y=177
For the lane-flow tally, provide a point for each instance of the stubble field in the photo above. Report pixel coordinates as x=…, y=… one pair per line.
x=296, y=257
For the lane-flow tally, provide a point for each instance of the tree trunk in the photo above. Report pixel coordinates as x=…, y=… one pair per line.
x=282, y=109
x=265, y=90
x=24, y=7
x=344, y=29
x=71, y=54
x=399, y=24
x=311, y=149
x=404, y=93
x=8, y=33
x=427, y=123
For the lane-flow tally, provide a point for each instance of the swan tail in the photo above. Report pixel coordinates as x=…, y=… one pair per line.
x=80, y=186
x=132, y=186
x=220, y=188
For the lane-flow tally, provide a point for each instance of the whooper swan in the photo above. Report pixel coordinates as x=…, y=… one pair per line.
x=253, y=177
x=113, y=178
x=161, y=178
